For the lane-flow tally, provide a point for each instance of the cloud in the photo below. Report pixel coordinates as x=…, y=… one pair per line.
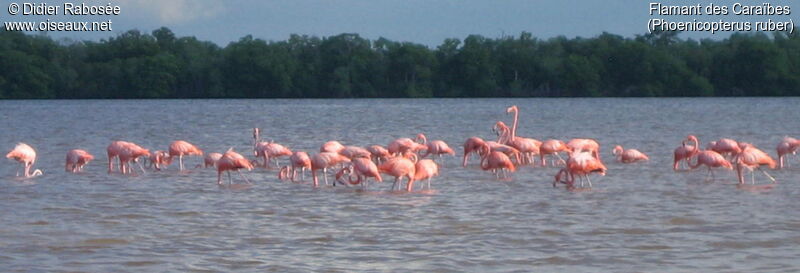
x=174, y=11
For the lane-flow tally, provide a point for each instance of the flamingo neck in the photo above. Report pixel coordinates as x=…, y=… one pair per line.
x=514, y=126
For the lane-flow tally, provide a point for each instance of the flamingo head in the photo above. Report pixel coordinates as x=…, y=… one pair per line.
x=617, y=150
x=513, y=108
x=691, y=138
x=710, y=145
x=421, y=138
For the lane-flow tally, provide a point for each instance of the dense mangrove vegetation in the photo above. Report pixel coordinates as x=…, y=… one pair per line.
x=160, y=65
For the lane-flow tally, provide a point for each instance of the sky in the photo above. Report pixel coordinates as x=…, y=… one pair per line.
x=420, y=21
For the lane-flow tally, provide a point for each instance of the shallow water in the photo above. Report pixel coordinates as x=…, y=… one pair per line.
x=638, y=218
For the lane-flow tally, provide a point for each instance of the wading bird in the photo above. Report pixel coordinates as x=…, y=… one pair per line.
x=76, y=159
x=180, y=148
x=25, y=155
x=629, y=155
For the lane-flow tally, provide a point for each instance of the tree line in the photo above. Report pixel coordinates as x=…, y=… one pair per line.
x=160, y=65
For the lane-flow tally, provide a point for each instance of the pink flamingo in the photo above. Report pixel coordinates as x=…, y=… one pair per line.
x=332, y=146
x=511, y=152
x=355, y=151
x=685, y=152
x=159, y=158
x=552, y=147
x=404, y=145
x=629, y=155
x=787, y=146
x=473, y=145
x=269, y=150
x=378, y=153
x=494, y=161
x=180, y=148
x=586, y=145
x=125, y=152
x=211, y=159
x=752, y=158
x=424, y=169
x=711, y=159
x=76, y=159
x=24, y=154
x=299, y=160
x=582, y=164
x=435, y=147
x=725, y=146
x=232, y=161
x=529, y=147
x=323, y=161
x=113, y=151
x=131, y=152
x=399, y=167
x=363, y=168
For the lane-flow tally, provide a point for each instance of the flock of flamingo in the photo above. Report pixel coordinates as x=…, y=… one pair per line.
x=406, y=158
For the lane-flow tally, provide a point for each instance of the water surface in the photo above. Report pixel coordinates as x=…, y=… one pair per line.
x=638, y=218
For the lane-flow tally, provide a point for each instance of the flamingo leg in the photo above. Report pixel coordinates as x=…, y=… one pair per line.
x=394, y=185
x=429, y=183
x=180, y=160
x=243, y=177
x=561, y=160
x=141, y=167
x=590, y=181
x=768, y=176
x=314, y=177
x=325, y=175
x=230, y=180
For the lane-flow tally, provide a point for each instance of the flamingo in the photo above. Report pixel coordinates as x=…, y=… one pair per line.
x=180, y=148
x=332, y=146
x=399, y=167
x=404, y=145
x=211, y=159
x=551, y=147
x=586, y=145
x=355, y=151
x=232, y=161
x=435, y=147
x=269, y=150
x=125, y=152
x=76, y=159
x=788, y=145
x=378, y=153
x=685, y=152
x=24, y=154
x=423, y=169
x=725, y=146
x=511, y=152
x=495, y=160
x=113, y=151
x=325, y=160
x=131, y=152
x=582, y=163
x=472, y=145
x=363, y=168
x=298, y=160
x=711, y=159
x=752, y=158
x=629, y=155
x=529, y=147
x=159, y=158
